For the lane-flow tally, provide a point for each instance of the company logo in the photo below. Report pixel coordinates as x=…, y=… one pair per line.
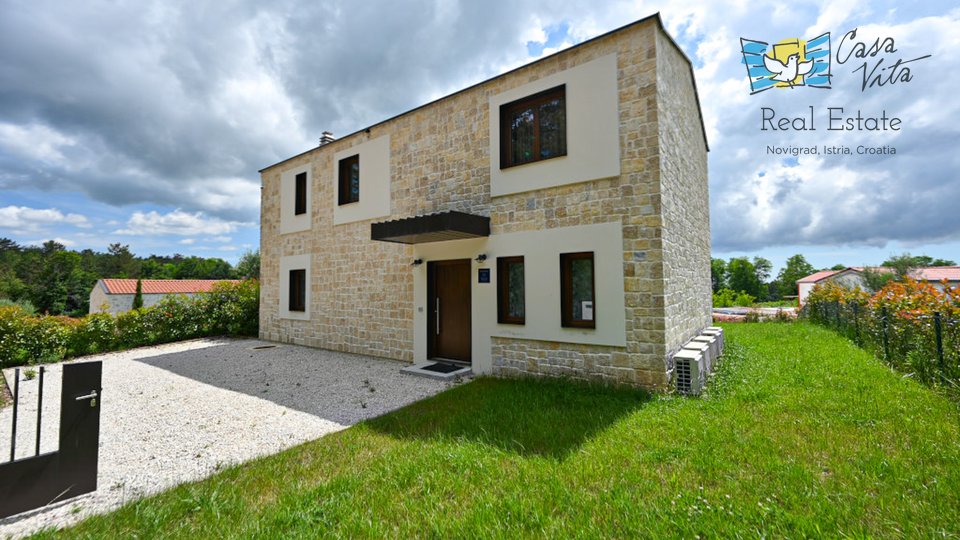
x=788, y=63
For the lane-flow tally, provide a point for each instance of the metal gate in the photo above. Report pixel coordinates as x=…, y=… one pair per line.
x=32, y=482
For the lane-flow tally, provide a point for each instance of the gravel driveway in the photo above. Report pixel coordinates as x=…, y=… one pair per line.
x=179, y=412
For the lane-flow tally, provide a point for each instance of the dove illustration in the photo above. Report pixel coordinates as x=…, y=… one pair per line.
x=789, y=71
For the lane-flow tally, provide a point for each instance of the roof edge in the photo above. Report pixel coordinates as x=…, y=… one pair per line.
x=693, y=77
x=638, y=22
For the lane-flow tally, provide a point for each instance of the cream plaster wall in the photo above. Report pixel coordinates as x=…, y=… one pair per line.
x=374, y=182
x=541, y=251
x=593, y=146
x=295, y=262
x=289, y=222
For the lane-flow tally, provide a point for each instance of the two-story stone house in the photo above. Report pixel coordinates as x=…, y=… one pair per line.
x=551, y=220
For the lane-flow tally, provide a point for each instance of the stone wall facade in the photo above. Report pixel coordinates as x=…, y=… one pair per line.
x=685, y=199
x=363, y=291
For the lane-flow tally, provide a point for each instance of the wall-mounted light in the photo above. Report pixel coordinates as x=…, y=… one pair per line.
x=481, y=257
x=416, y=262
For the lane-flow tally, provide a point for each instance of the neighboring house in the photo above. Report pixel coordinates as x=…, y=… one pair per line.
x=551, y=220
x=116, y=295
x=853, y=277
x=937, y=275
x=848, y=277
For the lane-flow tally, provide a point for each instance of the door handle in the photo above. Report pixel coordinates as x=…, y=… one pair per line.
x=91, y=395
x=438, y=316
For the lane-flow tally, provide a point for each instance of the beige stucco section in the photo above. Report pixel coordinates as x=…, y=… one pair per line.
x=364, y=293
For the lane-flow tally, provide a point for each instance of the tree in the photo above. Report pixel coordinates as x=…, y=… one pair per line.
x=876, y=278
x=796, y=268
x=718, y=274
x=906, y=262
x=902, y=264
x=120, y=263
x=742, y=276
x=138, y=295
x=838, y=267
x=248, y=266
x=762, y=268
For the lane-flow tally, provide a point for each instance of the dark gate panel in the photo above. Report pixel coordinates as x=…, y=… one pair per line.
x=80, y=427
x=33, y=482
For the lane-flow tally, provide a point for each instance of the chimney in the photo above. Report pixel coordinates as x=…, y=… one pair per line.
x=326, y=138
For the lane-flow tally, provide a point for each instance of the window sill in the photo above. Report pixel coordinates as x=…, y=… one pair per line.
x=512, y=166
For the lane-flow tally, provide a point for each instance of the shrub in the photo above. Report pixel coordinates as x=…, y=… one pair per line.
x=26, y=305
x=728, y=298
x=231, y=309
x=724, y=298
x=898, y=323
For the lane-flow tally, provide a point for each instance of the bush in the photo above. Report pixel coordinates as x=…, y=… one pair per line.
x=26, y=305
x=230, y=309
x=898, y=323
x=728, y=298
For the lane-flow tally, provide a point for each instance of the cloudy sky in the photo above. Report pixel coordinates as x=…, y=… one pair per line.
x=145, y=122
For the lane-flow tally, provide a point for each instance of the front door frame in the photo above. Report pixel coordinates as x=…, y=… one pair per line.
x=431, y=309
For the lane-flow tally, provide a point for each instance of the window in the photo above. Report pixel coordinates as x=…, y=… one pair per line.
x=577, y=308
x=349, y=180
x=534, y=128
x=300, y=194
x=298, y=290
x=510, y=291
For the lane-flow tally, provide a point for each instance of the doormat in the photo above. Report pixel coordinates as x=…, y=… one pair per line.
x=443, y=368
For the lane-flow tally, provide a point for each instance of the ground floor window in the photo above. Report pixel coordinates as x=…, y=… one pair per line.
x=577, y=306
x=511, y=307
x=298, y=290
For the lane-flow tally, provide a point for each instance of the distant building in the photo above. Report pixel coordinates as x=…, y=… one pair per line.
x=853, y=277
x=116, y=295
x=936, y=275
x=848, y=277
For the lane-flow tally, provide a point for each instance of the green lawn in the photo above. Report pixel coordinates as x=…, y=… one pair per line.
x=777, y=303
x=801, y=434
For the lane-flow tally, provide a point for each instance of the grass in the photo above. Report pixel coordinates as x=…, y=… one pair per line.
x=777, y=303
x=801, y=434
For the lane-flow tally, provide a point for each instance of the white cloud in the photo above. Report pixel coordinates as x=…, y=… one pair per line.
x=187, y=241
x=177, y=223
x=65, y=242
x=34, y=142
x=27, y=219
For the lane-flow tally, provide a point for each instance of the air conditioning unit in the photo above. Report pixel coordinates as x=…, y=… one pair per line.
x=717, y=332
x=713, y=344
x=705, y=350
x=688, y=372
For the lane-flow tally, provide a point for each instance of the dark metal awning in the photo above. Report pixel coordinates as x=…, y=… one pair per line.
x=431, y=228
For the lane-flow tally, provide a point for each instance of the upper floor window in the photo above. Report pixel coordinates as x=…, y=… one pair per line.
x=577, y=290
x=300, y=194
x=534, y=128
x=349, y=180
x=510, y=291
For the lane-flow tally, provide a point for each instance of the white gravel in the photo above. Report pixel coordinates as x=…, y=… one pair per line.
x=179, y=412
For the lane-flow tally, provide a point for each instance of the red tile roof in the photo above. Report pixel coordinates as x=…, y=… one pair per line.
x=938, y=273
x=815, y=277
x=161, y=286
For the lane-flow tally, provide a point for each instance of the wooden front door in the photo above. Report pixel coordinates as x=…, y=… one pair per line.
x=448, y=296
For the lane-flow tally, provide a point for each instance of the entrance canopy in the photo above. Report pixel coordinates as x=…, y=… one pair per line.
x=431, y=228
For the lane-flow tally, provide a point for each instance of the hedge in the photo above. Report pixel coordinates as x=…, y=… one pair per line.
x=229, y=309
